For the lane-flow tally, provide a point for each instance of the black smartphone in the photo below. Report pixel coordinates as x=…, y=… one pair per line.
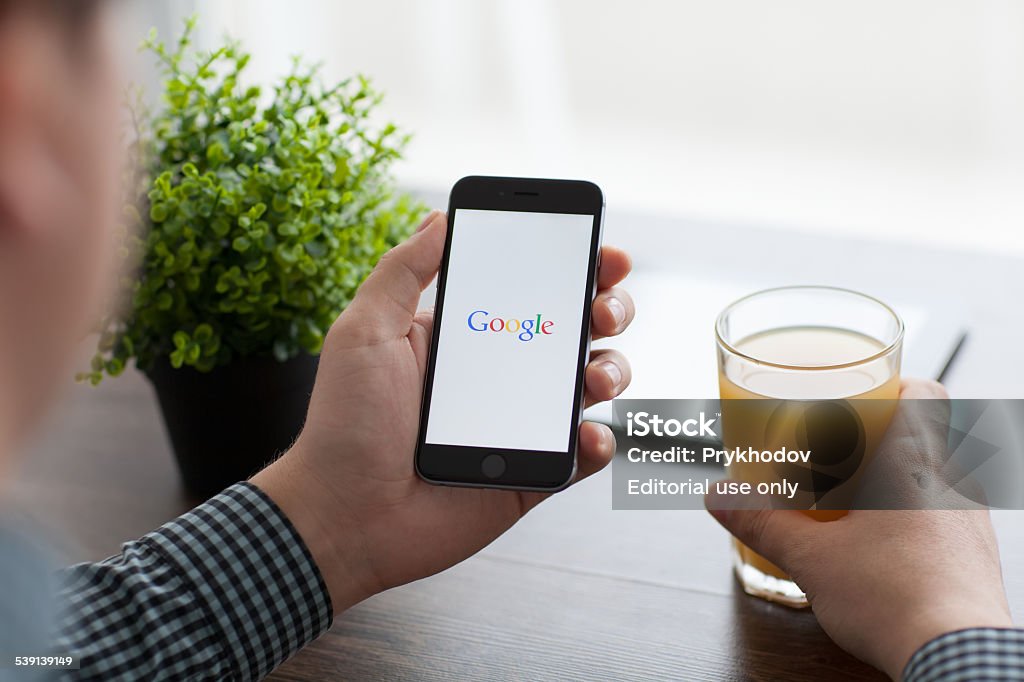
x=503, y=394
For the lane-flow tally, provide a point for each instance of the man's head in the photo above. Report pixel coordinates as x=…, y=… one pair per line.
x=59, y=173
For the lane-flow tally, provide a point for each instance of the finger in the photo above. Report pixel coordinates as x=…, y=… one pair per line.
x=425, y=319
x=606, y=376
x=615, y=265
x=773, y=533
x=613, y=311
x=595, y=449
x=387, y=300
x=930, y=411
x=922, y=388
x=911, y=467
x=921, y=421
x=419, y=335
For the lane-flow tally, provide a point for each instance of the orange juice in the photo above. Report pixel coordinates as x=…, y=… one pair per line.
x=798, y=366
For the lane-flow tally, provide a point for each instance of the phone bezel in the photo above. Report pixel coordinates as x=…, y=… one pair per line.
x=524, y=469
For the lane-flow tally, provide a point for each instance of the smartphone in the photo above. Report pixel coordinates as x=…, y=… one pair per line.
x=503, y=393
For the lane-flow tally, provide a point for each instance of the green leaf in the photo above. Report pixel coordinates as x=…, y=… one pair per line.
x=216, y=154
x=256, y=265
x=212, y=347
x=285, y=254
x=315, y=249
x=158, y=213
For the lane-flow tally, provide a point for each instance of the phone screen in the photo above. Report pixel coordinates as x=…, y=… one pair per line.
x=510, y=330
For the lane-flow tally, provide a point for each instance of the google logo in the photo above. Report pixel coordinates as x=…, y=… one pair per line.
x=480, y=321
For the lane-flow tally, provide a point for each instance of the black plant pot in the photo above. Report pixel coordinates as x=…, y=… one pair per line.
x=225, y=425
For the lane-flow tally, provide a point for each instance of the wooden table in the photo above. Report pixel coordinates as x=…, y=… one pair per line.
x=575, y=590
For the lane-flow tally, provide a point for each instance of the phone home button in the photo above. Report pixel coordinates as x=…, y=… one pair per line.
x=493, y=466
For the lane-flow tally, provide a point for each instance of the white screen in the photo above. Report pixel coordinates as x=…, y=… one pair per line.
x=502, y=389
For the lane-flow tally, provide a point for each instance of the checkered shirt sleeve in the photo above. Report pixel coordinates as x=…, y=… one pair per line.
x=974, y=655
x=227, y=591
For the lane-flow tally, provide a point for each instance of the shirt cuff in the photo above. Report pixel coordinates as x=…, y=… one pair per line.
x=253, y=573
x=970, y=655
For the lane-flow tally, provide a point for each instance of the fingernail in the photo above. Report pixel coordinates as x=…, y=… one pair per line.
x=429, y=219
x=613, y=372
x=618, y=310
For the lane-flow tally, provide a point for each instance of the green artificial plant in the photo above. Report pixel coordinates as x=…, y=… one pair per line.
x=253, y=218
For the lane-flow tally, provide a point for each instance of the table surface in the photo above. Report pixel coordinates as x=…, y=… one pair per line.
x=575, y=590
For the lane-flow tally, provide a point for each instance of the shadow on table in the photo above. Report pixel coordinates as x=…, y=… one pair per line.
x=760, y=627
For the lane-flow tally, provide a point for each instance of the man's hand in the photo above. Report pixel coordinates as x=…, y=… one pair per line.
x=349, y=484
x=883, y=583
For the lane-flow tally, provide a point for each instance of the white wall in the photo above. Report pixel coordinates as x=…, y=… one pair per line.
x=900, y=120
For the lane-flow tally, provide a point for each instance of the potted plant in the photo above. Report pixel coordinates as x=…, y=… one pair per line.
x=253, y=220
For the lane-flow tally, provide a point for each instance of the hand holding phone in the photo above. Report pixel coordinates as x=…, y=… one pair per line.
x=349, y=484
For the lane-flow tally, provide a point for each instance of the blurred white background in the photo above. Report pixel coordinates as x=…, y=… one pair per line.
x=897, y=121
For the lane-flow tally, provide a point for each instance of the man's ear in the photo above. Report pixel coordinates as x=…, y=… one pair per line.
x=30, y=178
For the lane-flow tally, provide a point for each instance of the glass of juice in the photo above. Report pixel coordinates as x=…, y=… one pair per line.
x=799, y=346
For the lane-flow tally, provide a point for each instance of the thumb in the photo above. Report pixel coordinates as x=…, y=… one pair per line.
x=389, y=297
x=772, y=533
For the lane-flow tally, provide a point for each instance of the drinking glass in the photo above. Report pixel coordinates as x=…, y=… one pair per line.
x=799, y=346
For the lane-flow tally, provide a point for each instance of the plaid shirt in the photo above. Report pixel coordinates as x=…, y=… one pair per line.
x=974, y=655
x=227, y=591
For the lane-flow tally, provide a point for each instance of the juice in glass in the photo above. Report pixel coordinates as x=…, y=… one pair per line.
x=798, y=347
